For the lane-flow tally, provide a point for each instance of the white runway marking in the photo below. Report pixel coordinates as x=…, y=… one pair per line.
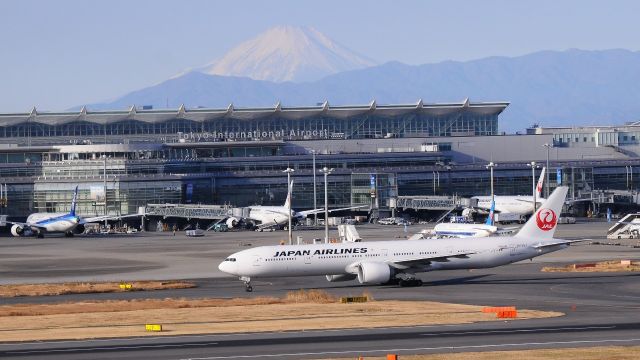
x=356, y=352
x=521, y=330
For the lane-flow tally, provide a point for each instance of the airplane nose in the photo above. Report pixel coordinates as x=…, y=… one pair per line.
x=228, y=267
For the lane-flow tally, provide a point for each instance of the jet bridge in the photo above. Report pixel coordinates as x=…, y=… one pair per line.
x=208, y=212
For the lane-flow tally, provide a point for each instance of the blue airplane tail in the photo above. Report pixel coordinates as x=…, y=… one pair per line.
x=491, y=214
x=73, y=202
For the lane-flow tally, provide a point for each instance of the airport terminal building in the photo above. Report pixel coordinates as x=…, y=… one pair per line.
x=236, y=156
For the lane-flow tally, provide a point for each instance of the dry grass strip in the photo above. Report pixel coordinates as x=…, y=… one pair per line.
x=297, y=311
x=592, y=353
x=603, y=266
x=88, y=287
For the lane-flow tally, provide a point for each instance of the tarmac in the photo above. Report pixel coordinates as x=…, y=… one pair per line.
x=601, y=308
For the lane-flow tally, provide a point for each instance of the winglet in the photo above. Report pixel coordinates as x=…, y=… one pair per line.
x=543, y=224
x=73, y=202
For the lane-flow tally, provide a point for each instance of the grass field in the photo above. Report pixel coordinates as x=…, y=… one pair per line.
x=300, y=310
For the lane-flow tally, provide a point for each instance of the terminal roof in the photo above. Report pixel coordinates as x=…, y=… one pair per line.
x=201, y=114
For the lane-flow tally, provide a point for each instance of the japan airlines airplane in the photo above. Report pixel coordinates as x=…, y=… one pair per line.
x=40, y=223
x=275, y=216
x=522, y=205
x=382, y=262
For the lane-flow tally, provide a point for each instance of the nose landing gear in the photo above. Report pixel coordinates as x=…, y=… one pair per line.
x=247, y=283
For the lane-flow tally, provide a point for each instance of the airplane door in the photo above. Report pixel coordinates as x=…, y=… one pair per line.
x=307, y=259
x=257, y=260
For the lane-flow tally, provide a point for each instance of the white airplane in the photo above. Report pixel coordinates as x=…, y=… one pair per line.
x=464, y=230
x=276, y=216
x=382, y=262
x=68, y=223
x=522, y=205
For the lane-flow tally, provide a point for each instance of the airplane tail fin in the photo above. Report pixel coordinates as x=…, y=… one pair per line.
x=539, y=184
x=289, y=191
x=73, y=202
x=542, y=224
x=491, y=218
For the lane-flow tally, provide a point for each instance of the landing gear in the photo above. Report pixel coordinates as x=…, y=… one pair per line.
x=411, y=282
x=40, y=235
x=68, y=234
x=247, y=283
x=407, y=280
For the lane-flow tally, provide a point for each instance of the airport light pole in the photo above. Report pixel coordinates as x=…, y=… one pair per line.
x=490, y=166
x=315, y=198
x=533, y=182
x=104, y=157
x=290, y=196
x=326, y=171
x=548, y=146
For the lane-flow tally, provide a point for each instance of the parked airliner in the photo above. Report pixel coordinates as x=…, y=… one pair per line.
x=68, y=223
x=522, y=205
x=381, y=262
x=454, y=229
x=275, y=216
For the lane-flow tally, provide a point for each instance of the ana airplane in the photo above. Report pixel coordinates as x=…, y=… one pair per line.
x=382, y=262
x=263, y=217
x=70, y=224
x=462, y=230
x=522, y=205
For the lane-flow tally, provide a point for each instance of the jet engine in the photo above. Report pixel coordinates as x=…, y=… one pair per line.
x=79, y=229
x=341, y=277
x=232, y=222
x=373, y=273
x=17, y=230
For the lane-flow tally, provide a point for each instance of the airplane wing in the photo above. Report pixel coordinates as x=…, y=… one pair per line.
x=558, y=242
x=507, y=230
x=427, y=260
x=107, y=217
x=306, y=213
x=267, y=225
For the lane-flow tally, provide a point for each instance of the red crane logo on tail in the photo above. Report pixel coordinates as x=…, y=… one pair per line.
x=546, y=219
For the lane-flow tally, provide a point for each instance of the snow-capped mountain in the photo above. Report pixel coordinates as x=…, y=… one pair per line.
x=287, y=53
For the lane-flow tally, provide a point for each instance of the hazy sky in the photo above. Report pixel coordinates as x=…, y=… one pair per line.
x=58, y=54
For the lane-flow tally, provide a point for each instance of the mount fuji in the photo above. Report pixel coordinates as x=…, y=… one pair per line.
x=287, y=53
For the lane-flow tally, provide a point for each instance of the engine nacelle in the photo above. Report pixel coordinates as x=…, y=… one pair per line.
x=341, y=277
x=373, y=273
x=232, y=222
x=17, y=230
x=79, y=229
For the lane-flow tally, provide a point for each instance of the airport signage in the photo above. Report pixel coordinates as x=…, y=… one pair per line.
x=253, y=135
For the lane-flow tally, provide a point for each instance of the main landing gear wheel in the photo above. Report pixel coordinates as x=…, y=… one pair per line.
x=410, y=282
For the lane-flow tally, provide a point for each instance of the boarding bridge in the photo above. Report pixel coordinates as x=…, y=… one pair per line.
x=442, y=203
x=210, y=212
x=626, y=228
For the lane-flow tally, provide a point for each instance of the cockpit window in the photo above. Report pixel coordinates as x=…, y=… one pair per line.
x=230, y=259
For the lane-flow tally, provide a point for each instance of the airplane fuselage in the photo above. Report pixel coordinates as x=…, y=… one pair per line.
x=342, y=258
x=53, y=222
x=464, y=230
x=522, y=205
x=270, y=214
